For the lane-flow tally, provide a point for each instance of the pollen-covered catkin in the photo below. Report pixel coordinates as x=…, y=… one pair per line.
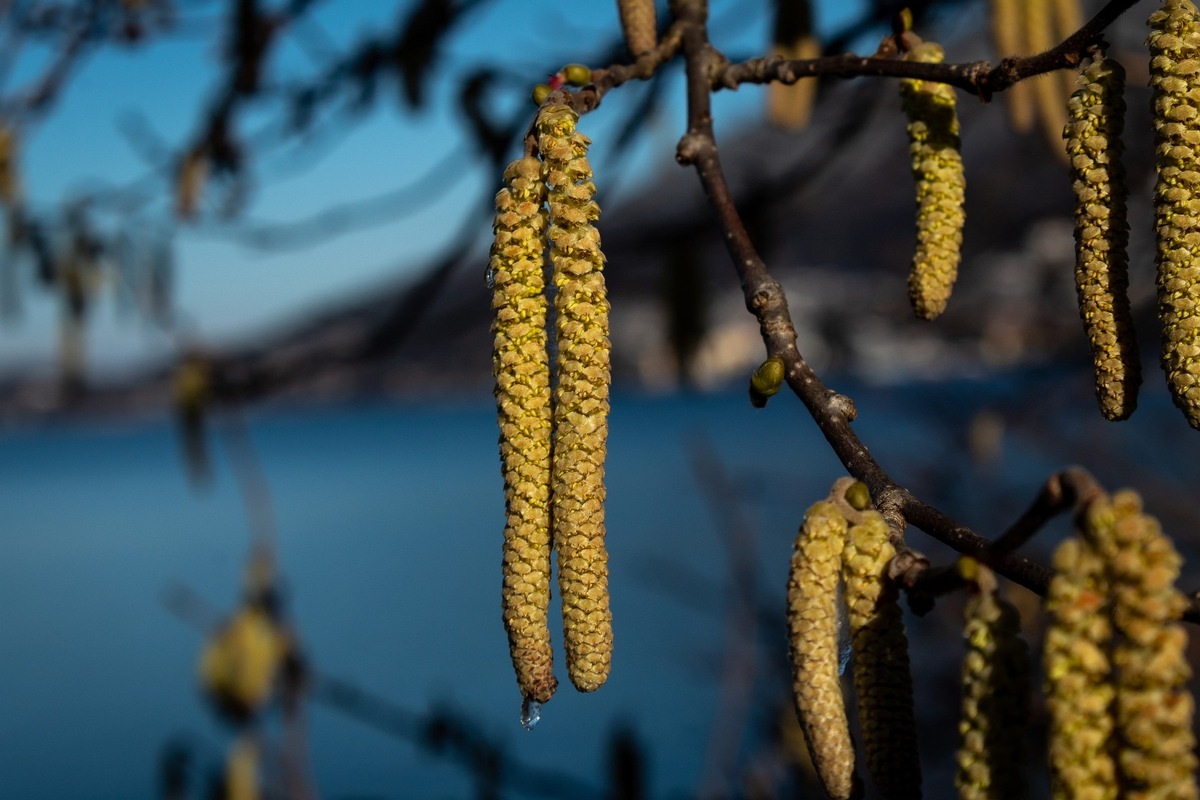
x=938, y=170
x=882, y=677
x=812, y=639
x=522, y=371
x=1093, y=135
x=1079, y=682
x=1008, y=39
x=1175, y=88
x=580, y=399
x=995, y=711
x=1153, y=707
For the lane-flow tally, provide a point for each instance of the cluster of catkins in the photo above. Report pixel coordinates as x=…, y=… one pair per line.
x=1116, y=671
x=843, y=539
x=552, y=443
x=1096, y=113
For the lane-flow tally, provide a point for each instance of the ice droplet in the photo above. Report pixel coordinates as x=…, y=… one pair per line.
x=489, y=277
x=844, y=658
x=531, y=713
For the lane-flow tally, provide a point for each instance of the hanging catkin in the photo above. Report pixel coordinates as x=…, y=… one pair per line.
x=1008, y=39
x=995, y=705
x=812, y=640
x=882, y=678
x=1079, y=682
x=1093, y=136
x=938, y=170
x=1174, y=63
x=580, y=399
x=522, y=373
x=639, y=25
x=1153, y=706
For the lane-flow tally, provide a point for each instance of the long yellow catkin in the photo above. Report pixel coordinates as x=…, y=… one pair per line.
x=1153, y=707
x=995, y=711
x=522, y=371
x=1079, y=681
x=1174, y=62
x=812, y=640
x=882, y=677
x=580, y=400
x=1093, y=136
x=938, y=170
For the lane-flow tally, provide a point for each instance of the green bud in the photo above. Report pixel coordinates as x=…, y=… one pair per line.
x=858, y=496
x=540, y=93
x=766, y=381
x=577, y=74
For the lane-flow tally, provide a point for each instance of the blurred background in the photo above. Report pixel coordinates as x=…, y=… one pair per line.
x=245, y=367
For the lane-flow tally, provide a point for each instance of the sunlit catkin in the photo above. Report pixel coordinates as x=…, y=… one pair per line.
x=882, y=678
x=580, y=398
x=1174, y=63
x=1079, y=682
x=1153, y=707
x=522, y=371
x=938, y=171
x=995, y=705
x=1093, y=136
x=812, y=638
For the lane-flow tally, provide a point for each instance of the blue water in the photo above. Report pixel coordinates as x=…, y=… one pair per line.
x=390, y=520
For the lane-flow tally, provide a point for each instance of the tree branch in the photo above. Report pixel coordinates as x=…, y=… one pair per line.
x=977, y=77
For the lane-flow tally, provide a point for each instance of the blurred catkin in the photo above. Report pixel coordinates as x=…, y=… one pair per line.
x=242, y=770
x=241, y=662
x=882, y=677
x=1153, y=706
x=793, y=38
x=522, y=372
x=580, y=399
x=1008, y=39
x=639, y=24
x=940, y=183
x=1079, y=682
x=812, y=639
x=1093, y=136
x=1174, y=62
x=995, y=710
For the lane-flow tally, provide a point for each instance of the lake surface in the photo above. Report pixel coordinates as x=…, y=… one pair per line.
x=390, y=521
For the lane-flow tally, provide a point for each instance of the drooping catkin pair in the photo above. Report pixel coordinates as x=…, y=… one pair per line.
x=1096, y=114
x=842, y=539
x=552, y=452
x=1116, y=671
x=995, y=704
x=941, y=184
x=1174, y=43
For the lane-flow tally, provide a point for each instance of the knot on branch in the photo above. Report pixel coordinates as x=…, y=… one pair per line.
x=690, y=147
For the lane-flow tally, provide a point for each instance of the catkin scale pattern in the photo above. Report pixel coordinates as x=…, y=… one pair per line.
x=938, y=171
x=581, y=399
x=995, y=712
x=1093, y=138
x=522, y=373
x=882, y=675
x=812, y=641
x=1174, y=43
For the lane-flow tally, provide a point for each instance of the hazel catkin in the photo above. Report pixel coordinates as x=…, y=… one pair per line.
x=522, y=373
x=1153, y=707
x=813, y=644
x=1079, y=685
x=1174, y=43
x=882, y=676
x=995, y=704
x=1093, y=136
x=580, y=400
x=938, y=171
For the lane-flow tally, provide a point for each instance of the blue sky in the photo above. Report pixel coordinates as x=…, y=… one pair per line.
x=229, y=291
